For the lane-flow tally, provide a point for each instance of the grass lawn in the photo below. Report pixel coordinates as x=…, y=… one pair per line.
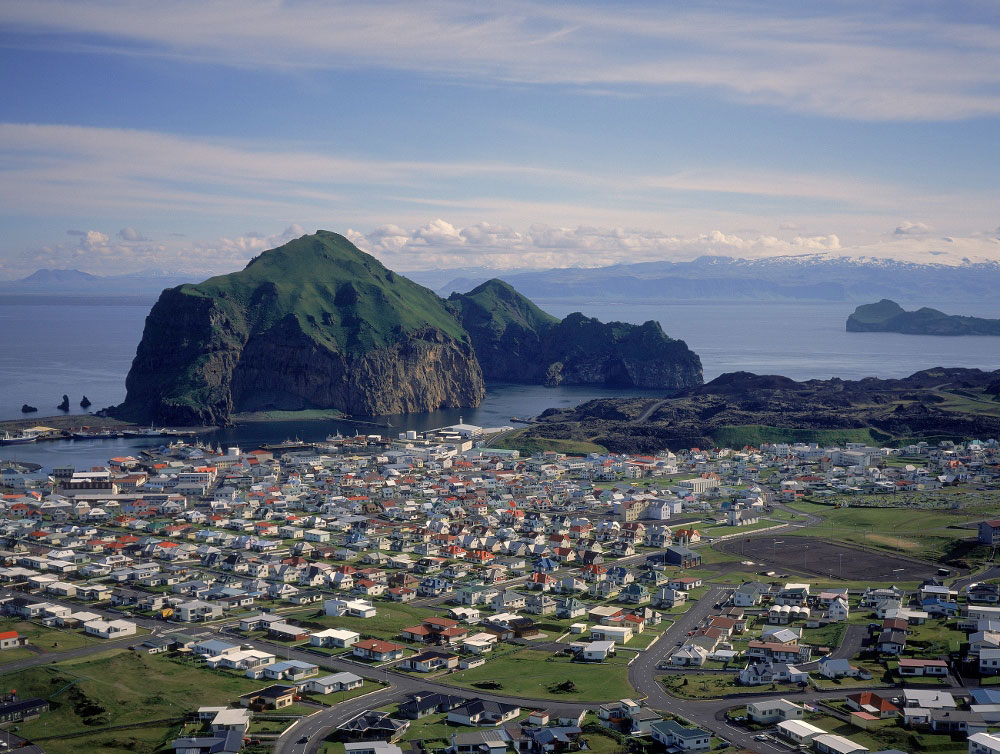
x=888, y=734
x=269, y=726
x=598, y=743
x=829, y=635
x=522, y=441
x=923, y=533
x=389, y=620
x=706, y=685
x=932, y=639
x=534, y=673
x=116, y=688
x=641, y=641
x=131, y=741
x=43, y=638
x=725, y=529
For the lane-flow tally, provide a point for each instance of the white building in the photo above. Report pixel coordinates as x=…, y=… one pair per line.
x=114, y=629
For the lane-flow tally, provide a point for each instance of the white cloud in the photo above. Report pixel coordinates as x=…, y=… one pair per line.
x=85, y=171
x=907, y=228
x=129, y=233
x=440, y=244
x=869, y=62
x=542, y=246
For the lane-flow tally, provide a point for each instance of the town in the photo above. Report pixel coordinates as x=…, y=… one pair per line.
x=431, y=592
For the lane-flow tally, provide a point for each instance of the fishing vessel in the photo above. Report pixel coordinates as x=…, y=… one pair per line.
x=17, y=439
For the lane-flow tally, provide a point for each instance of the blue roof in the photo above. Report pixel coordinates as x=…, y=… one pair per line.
x=985, y=696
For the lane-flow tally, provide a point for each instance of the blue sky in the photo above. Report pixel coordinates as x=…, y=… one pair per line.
x=190, y=135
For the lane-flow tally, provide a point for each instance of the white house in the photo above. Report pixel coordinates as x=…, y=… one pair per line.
x=113, y=629
x=799, y=732
x=334, y=682
x=334, y=637
x=770, y=711
x=352, y=608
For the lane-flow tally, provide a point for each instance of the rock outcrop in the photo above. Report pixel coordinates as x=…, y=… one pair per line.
x=888, y=316
x=518, y=342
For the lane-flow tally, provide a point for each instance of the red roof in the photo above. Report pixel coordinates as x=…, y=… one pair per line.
x=8, y=635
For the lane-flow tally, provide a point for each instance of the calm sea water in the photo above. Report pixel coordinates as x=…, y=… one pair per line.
x=86, y=347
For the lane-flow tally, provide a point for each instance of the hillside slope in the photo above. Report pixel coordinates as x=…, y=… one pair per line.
x=315, y=323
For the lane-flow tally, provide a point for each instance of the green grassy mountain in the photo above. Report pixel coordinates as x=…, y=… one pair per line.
x=315, y=323
x=888, y=316
x=318, y=324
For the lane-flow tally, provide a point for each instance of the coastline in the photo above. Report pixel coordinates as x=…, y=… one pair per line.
x=76, y=422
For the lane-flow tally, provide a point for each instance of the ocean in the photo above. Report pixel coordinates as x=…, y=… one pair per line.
x=84, y=346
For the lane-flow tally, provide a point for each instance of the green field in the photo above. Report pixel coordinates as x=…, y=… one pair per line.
x=119, y=687
x=518, y=441
x=43, y=639
x=922, y=533
x=534, y=673
x=704, y=685
x=389, y=620
x=829, y=635
x=309, y=414
x=733, y=436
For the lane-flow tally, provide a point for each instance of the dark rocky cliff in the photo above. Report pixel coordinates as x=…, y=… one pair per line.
x=518, y=342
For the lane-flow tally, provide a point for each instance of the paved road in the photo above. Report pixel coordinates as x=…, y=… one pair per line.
x=993, y=572
x=308, y=734
x=642, y=671
x=50, y=657
x=649, y=411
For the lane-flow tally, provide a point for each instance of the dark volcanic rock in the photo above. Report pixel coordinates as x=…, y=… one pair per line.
x=775, y=408
x=26, y=409
x=85, y=403
x=64, y=406
x=516, y=341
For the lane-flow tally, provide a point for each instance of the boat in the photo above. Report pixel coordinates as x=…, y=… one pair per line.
x=104, y=434
x=151, y=432
x=19, y=439
x=334, y=438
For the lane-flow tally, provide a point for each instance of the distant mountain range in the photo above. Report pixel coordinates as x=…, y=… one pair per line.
x=802, y=278
x=77, y=282
x=799, y=278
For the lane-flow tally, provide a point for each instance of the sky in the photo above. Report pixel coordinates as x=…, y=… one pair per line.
x=189, y=136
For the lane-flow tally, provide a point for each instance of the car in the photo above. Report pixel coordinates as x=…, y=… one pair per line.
x=303, y=740
x=680, y=644
x=725, y=745
x=760, y=737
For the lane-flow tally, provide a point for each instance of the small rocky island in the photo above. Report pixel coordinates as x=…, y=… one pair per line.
x=319, y=324
x=888, y=316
